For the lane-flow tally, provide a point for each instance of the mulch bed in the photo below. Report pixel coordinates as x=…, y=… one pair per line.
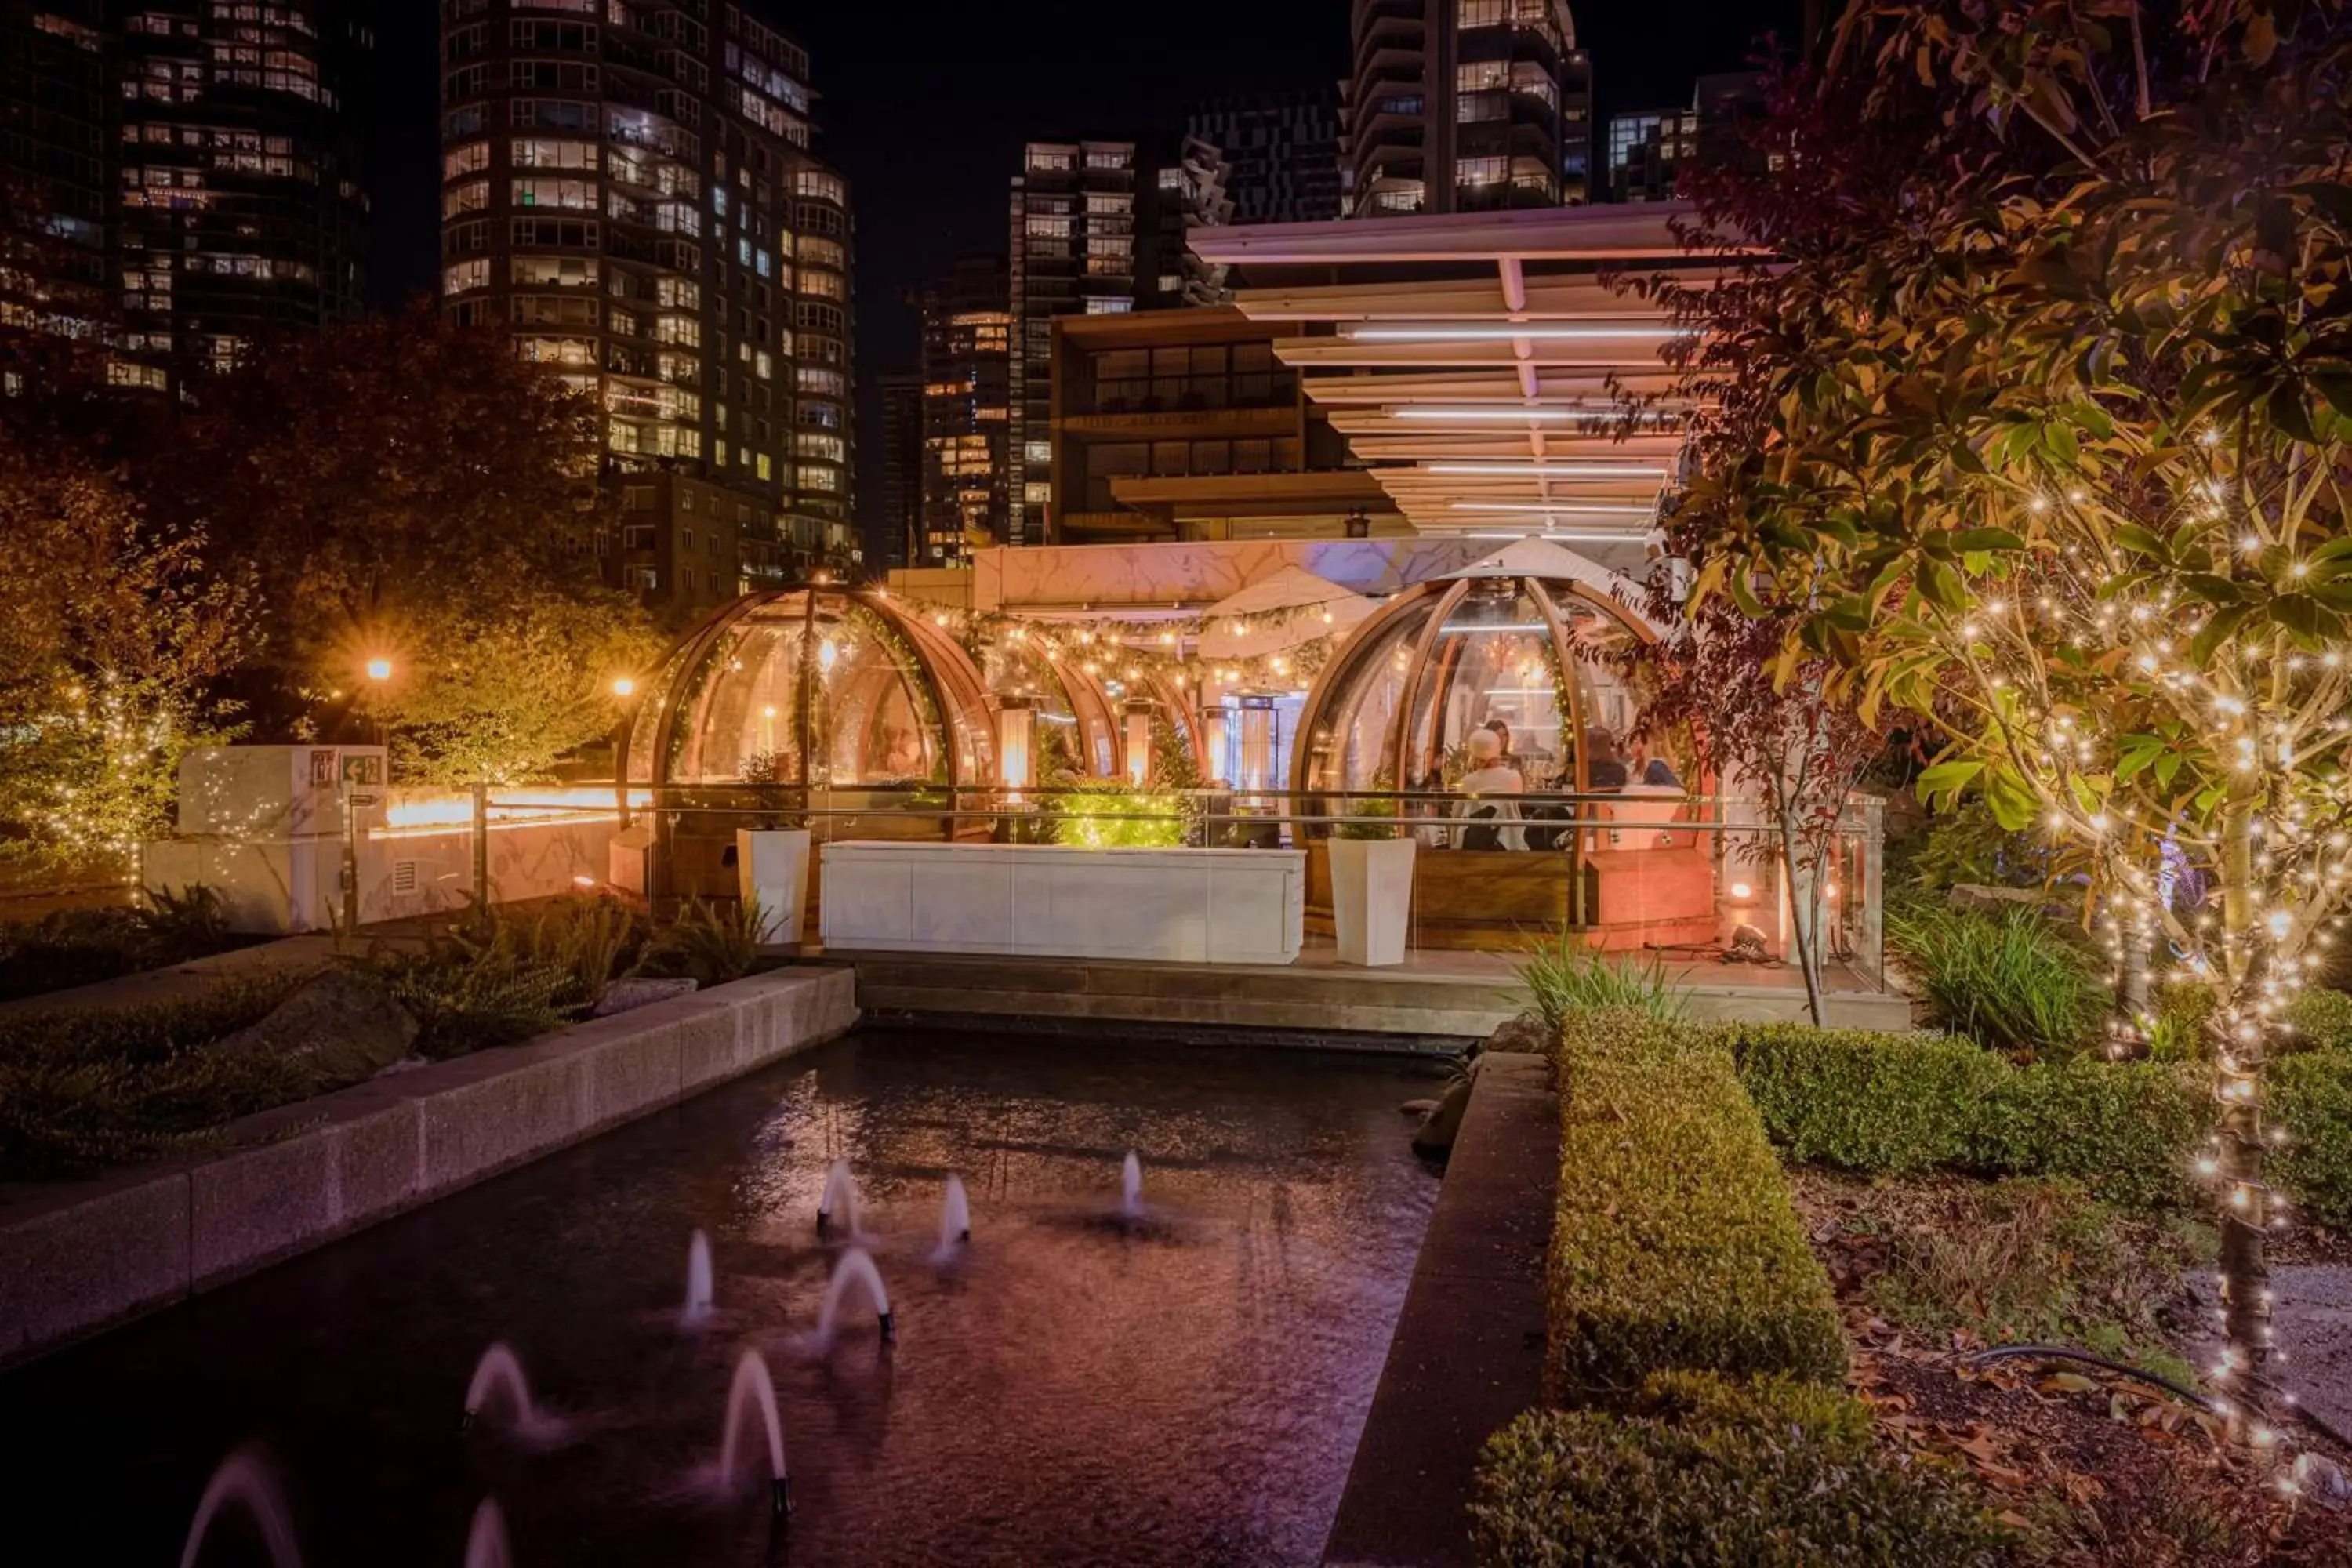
x=2094, y=1470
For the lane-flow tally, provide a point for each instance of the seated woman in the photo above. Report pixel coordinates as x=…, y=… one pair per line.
x=1488, y=823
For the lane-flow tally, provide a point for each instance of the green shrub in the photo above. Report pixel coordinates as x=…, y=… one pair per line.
x=1770, y=1475
x=1569, y=977
x=2322, y=1019
x=710, y=943
x=1676, y=1244
x=85, y=1089
x=1898, y=1104
x=2177, y=1031
x=1863, y=1099
x=66, y=948
x=2312, y=1094
x=2127, y=1131
x=2014, y=983
x=1109, y=813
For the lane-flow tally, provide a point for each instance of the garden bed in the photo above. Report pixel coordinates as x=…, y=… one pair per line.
x=92, y=1088
x=2089, y=1469
x=1708, y=1413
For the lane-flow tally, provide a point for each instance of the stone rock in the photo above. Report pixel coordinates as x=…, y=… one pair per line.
x=1527, y=1033
x=1421, y=1108
x=340, y=1023
x=627, y=995
x=1980, y=898
x=1436, y=1136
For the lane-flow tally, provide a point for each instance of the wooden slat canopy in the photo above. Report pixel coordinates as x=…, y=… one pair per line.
x=1483, y=364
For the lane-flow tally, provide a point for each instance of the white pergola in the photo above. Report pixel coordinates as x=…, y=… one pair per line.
x=1478, y=362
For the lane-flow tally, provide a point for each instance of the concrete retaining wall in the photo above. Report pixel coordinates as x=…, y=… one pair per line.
x=79, y=1257
x=1468, y=1352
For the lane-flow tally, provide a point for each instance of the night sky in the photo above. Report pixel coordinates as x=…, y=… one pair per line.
x=924, y=104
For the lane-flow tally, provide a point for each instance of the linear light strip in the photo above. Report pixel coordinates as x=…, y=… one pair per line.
x=1552, y=471
x=1504, y=332
x=1506, y=414
x=1554, y=508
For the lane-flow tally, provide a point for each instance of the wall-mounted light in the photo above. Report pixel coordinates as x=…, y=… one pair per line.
x=1138, y=712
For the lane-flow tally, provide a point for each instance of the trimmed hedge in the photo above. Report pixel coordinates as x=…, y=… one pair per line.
x=2127, y=1131
x=2312, y=1096
x=1676, y=1244
x=1900, y=1104
x=1771, y=1474
x=1864, y=1101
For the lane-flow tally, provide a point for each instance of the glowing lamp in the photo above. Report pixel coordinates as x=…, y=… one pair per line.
x=623, y=687
x=1212, y=733
x=1016, y=725
x=1257, y=742
x=1742, y=891
x=828, y=654
x=1138, y=712
x=379, y=669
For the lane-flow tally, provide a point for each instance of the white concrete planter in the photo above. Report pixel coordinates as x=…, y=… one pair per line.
x=1177, y=906
x=772, y=866
x=1371, y=899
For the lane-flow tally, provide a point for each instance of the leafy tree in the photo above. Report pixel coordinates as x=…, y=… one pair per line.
x=1796, y=748
x=410, y=491
x=111, y=633
x=2036, y=426
x=500, y=706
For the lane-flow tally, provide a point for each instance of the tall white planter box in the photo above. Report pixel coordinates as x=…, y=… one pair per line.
x=1371, y=899
x=772, y=866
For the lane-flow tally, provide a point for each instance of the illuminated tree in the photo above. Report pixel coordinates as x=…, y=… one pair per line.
x=2038, y=419
x=410, y=491
x=111, y=635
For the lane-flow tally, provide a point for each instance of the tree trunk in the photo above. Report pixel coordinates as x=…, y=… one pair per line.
x=1802, y=917
x=2245, y=1203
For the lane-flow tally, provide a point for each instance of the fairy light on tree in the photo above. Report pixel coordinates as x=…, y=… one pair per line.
x=2040, y=417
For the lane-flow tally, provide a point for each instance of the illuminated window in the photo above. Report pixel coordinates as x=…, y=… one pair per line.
x=457, y=163
x=578, y=195
x=465, y=274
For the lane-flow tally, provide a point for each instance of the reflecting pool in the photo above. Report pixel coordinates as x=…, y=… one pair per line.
x=1181, y=1381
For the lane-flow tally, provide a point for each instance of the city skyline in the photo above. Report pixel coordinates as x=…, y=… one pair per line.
x=928, y=132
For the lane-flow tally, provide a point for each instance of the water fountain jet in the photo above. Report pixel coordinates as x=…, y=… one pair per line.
x=246, y=1477
x=486, y=1542
x=955, y=1214
x=698, y=1281
x=753, y=1388
x=1130, y=1186
x=840, y=1198
x=499, y=1369
x=855, y=1271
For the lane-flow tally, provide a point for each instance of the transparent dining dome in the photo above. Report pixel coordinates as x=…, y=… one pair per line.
x=1526, y=645
x=824, y=686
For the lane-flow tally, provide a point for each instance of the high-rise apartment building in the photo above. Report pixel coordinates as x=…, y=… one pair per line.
x=628, y=188
x=243, y=202
x=1466, y=105
x=1098, y=227
x=1281, y=154
x=54, y=163
x=966, y=377
x=1649, y=149
x=202, y=160
x=898, y=541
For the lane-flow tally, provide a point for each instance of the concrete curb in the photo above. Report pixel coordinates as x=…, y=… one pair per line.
x=1468, y=1352
x=79, y=1257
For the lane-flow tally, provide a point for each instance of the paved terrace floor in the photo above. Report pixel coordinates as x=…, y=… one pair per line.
x=1437, y=993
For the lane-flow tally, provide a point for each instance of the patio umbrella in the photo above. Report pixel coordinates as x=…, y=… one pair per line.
x=1277, y=613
